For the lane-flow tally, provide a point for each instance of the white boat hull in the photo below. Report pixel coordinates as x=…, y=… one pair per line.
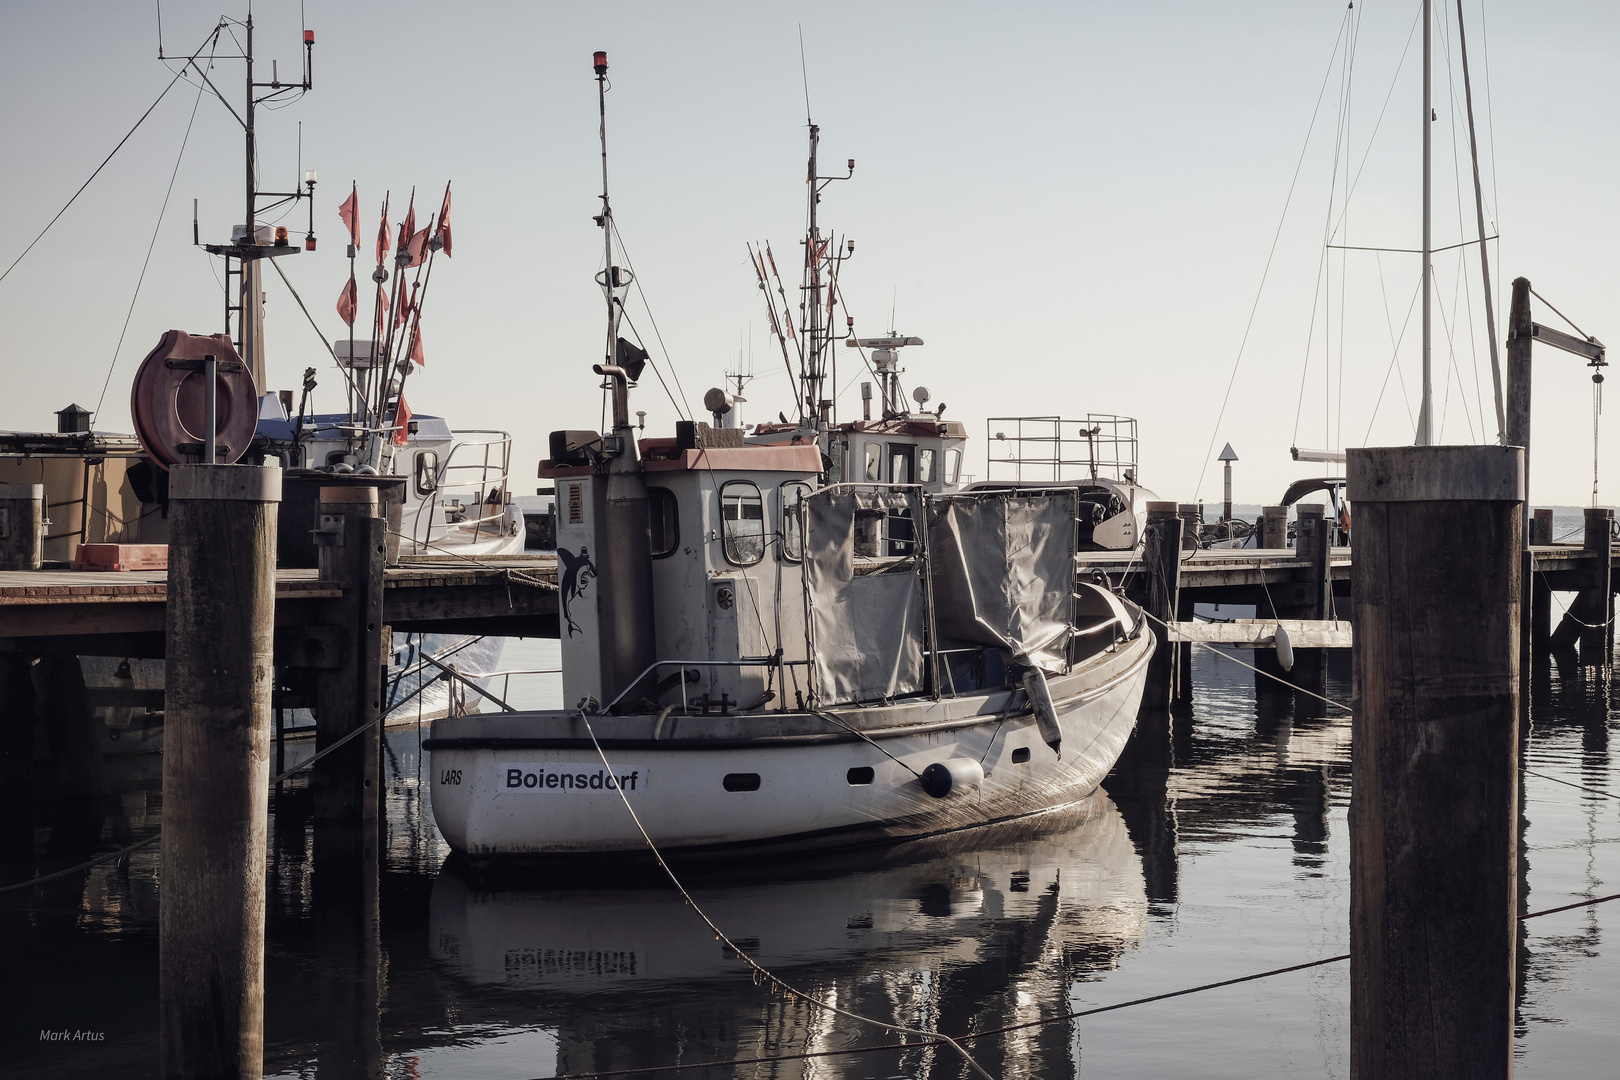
x=533, y=784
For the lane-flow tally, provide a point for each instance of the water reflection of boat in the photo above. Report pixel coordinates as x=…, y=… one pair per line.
x=977, y=929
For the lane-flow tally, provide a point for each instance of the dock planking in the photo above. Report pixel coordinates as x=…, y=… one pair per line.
x=510, y=596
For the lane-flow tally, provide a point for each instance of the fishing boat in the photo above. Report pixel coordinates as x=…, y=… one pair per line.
x=761, y=650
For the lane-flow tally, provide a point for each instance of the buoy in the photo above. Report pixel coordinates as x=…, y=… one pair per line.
x=955, y=774
x=1285, y=649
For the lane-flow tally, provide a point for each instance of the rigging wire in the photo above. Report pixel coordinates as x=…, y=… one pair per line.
x=1395, y=347
x=1456, y=180
x=686, y=411
x=1265, y=273
x=103, y=164
x=151, y=245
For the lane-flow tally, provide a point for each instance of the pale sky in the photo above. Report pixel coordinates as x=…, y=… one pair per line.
x=1073, y=204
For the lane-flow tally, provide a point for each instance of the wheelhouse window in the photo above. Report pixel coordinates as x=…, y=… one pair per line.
x=426, y=472
x=874, y=462
x=663, y=522
x=901, y=458
x=742, y=522
x=953, y=466
x=925, y=466
x=793, y=495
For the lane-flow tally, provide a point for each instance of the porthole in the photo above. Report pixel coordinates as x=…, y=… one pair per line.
x=1020, y=755
x=741, y=781
x=862, y=774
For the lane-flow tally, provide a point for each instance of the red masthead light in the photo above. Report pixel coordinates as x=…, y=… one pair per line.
x=309, y=37
x=599, y=61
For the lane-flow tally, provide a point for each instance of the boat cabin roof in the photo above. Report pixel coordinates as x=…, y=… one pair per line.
x=667, y=455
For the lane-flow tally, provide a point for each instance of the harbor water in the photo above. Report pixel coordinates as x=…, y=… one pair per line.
x=1222, y=853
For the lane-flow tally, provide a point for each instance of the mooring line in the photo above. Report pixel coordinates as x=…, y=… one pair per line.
x=933, y=1037
x=1251, y=667
x=1568, y=783
x=942, y=1039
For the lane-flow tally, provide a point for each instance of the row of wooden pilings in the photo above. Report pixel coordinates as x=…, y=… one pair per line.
x=217, y=753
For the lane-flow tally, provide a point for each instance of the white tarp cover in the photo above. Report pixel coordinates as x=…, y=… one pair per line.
x=1004, y=573
x=866, y=630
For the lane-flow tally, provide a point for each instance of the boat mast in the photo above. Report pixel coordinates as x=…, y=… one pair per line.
x=610, y=274
x=1425, y=430
x=811, y=321
x=251, y=313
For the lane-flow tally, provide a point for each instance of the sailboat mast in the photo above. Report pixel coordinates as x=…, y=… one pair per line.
x=1425, y=431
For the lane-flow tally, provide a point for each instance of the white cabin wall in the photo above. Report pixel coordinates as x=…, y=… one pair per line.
x=579, y=506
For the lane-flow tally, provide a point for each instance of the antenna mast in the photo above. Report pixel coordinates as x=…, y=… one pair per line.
x=817, y=254
x=611, y=278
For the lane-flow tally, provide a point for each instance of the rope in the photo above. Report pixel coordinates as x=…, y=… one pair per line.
x=1568, y=783
x=760, y=972
x=211, y=37
x=938, y=1040
x=831, y=719
x=1251, y=667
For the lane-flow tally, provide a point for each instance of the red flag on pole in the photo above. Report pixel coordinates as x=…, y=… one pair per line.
x=346, y=302
x=348, y=213
x=405, y=308
x=443, y=235
x=416, y=245
x=416, y=344
x=410, y=217
x=382, y=240
x=402, y=422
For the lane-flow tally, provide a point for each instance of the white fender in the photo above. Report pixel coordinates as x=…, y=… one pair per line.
x=1285, y=649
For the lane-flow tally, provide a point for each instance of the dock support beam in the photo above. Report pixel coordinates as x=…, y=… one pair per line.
x=216, y=768
x=1161, y=560
x=1435, y=755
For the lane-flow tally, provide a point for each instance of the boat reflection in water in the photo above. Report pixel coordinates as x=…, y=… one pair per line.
x=969, y=931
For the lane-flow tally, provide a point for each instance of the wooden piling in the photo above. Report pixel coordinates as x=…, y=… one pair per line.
x=1535, y=588
x=216, y=768
x=1541, y=527
x=1597, y=635
x=1274, y=526
x=1161, y=560
x=353, y=538
x=16, y=757
x=1516, y=392
x=1434, y=759
x=22, y=520
x=1314, y=544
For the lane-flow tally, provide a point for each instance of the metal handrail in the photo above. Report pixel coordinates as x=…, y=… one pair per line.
x=481, y=484
x=745, y=661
